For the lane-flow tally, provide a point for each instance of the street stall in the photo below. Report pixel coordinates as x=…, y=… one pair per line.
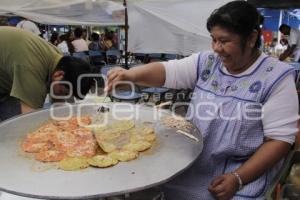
x=24, y=177
x=176, y=148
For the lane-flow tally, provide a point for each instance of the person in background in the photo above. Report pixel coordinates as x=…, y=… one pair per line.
x=281, y=47
x=285, y=43
x=108, y=43
x=272, y=50
x=294, y=42
x=62, y=44
x=54, y=38
x=44, y=33
x=95, y=44
x=102, y=36
x=70, y=37
x=29, y=26
x=27, y=69
x=115, y=40
x=79, y=43
x=85, y=36
x=244, y=103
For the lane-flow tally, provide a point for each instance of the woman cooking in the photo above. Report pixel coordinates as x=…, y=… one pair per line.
x=245, y=105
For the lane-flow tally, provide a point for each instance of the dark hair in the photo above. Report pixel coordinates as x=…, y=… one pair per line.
x=95, y=36
x=54, y=37
x=283, y=26
x=69, y=42
x=63, y=37
x=237, y=17
x=108, y=35
x=78, y=32
x=73, y=68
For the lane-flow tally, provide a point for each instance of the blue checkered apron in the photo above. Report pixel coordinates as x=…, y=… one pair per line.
x=227, y=111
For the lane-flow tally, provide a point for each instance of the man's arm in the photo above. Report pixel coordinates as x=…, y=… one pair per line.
x=289, y=51
x=25, y=108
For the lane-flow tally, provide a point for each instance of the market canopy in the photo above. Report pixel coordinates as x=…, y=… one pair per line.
x=170, y=26
x=155, y=26
x=66, y=12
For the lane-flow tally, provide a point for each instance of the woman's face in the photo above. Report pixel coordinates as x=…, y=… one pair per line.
x=228, y=46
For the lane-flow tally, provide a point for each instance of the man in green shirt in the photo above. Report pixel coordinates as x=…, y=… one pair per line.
x=28, y=65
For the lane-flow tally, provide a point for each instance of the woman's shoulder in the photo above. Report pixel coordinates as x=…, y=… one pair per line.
x=207, y=58
x=275, y=63
x=207, y=55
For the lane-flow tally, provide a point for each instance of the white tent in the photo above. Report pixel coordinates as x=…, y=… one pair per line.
x=155, y=26
x=66, y=12
x=170, y=26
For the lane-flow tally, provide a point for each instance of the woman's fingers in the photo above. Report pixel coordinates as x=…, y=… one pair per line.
x=114, y=76
x=223, y=187
x=219, y=189
x=219, y=192
x=221, y=195
x=216, y=187
x=218, y=180
x=112, y=81
x=114, y=70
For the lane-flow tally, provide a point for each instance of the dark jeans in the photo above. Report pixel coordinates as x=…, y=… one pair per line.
x=9, y=107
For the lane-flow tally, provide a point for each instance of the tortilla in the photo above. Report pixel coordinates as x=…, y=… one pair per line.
x=124, y=155
x=102, y=161
x=72, y=164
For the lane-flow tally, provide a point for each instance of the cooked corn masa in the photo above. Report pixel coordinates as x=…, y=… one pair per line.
x=72, y=164
x=102, y=161
x=107, y=146
x=124, y=155
x=138, y=146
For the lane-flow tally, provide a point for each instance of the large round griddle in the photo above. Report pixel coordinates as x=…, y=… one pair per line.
x=23, y=176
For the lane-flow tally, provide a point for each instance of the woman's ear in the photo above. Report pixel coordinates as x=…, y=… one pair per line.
x=252, y=38
x=58, y=75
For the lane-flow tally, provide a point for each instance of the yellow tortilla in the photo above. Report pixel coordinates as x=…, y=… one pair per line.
x=107, y=146
x=102, y=161
x=72, y=164
x=124, y=155
x=138, y=146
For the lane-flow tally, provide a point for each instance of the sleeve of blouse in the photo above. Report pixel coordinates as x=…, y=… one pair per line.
x=280, y=112
x=181, y=74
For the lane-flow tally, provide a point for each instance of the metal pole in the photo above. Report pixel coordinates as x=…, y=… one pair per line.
x=279, y=23
x=126, y=35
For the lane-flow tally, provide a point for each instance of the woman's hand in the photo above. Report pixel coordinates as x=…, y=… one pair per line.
x=150, y=75
x=224, y=187
x=116, y=75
